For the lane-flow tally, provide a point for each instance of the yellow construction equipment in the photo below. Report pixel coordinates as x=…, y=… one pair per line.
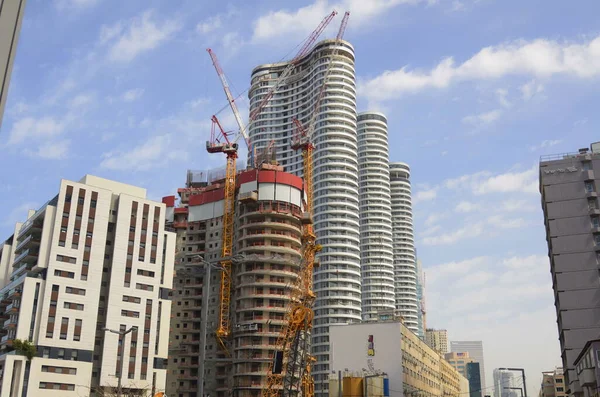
x=290, y=374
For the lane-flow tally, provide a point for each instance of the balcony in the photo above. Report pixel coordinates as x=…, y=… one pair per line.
x=587, y=377
x=13, y=307
x=31, y=240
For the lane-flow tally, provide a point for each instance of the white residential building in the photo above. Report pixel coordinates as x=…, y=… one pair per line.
x=337, y=282
x=405, y=274
x=437, y=339
x=376, y=245
x=95, y=256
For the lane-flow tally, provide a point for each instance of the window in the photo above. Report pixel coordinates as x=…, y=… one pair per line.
x=597, y=239
x=559, y=389
x=589, y=187
x=88, y=235
x=61, y=354
x=80, y=200
x=63, y=229
x=595, y=221
x=93, y=203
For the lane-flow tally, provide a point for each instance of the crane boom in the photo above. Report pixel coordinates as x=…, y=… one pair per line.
x=290, y=373
x=292, y=64
x=229, y=96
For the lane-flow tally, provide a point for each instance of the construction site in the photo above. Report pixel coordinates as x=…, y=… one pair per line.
x=245, y=253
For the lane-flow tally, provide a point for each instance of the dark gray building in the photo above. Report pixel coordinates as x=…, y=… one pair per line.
x=474, y=378
x=569, y=187
x=11, y=16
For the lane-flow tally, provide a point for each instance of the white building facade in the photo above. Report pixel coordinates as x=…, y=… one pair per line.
x=405, y=274
x=337, y=282
x=95, y=256
x=376, y=245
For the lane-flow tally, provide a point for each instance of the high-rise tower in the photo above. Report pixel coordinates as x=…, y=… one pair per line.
x=569, y=187
x=337, y=282
x=376, y=247
x=405, y=275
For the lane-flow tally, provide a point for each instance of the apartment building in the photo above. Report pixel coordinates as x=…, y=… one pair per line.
x=405, y=259
x=267, y=252
x=96, y=257
x=437, y=339
x=475, y=350
x=11, y=18
x=337, y=282
x=413, y=368
x=569, y=187
x=376, y=244
x=553, y=384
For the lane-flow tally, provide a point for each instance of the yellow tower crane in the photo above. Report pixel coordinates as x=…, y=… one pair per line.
x=290, y=373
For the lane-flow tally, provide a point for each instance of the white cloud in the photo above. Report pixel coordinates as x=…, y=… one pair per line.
x=299, y=22
x=545, y=144
x=232, y=42
x=425, y=195
x=216, y=22
x=133, y=94
x=503, y=223
x=142, y=34
x=513, y=205
x=484, y=182
x=465, y=232
x=539, y=58
x=483, y=118
x=153, y=153
x=209, y=24
x=81, y=100
x=434, y=218
x=466, y=206
x=530, y=89
x=32, y=128
x=51, y=151
x=458, y=269
x=502, y=95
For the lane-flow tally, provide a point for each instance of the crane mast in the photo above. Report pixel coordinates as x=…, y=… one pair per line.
x=220, y=143
x=291, y=371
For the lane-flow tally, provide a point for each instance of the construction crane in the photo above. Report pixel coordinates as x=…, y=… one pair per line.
x=291, y=371
x=220, y=142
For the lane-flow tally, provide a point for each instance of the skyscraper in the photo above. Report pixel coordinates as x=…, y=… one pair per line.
x=337, y=282
x=569, y=187
x=94, y=258
x=376, y=247
x=11, y=17
x=405, y=275
x=475, y=350
x=422, y=313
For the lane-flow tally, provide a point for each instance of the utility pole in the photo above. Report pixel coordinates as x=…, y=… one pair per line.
x=120, y=333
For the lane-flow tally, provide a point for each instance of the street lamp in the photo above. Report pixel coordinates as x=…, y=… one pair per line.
x=206, y=270
x=120, y=333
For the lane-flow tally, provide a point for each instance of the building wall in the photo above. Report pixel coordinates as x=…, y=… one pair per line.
x=376, y=245
x=11, y=17
x=459, y=361
x=475, y=350
x=405, y=275
x=337, y=281
x=413, y=367
x=569, y=187
x=350, y=349
x=71, y=270
x=437, y=339
x=268, y=237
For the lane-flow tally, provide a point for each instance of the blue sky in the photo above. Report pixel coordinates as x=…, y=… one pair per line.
x=475, y=91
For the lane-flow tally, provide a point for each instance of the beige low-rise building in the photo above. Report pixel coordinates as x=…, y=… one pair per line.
x=553, y=384
x=407, y=360
x=459, y=361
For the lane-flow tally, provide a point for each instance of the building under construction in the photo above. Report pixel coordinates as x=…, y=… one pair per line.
x=266, y=262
